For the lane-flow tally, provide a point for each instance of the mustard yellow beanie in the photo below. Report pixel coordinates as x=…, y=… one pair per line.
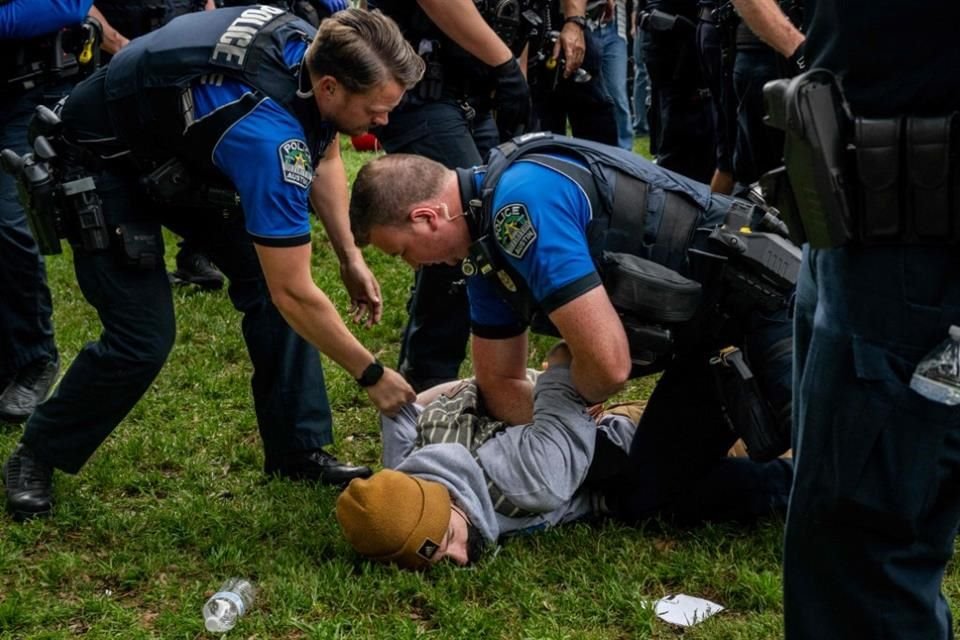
x=394, y=517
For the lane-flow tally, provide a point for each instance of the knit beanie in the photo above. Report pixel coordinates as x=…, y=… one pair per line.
x=394, y=517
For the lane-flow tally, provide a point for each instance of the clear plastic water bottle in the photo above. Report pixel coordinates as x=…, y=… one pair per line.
x=937, y=377
x=221, y=611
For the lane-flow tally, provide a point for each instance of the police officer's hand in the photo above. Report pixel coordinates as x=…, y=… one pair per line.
x=574, y=46
x=365, y=301
x=511, y=99
x=391, y=393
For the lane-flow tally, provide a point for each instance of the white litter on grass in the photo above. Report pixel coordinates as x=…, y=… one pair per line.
x=684, y=610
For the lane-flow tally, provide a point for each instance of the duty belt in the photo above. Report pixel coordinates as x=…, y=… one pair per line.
x=889, y=180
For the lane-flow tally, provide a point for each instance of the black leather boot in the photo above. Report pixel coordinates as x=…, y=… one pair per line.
x=316, y=466
x=29, y=484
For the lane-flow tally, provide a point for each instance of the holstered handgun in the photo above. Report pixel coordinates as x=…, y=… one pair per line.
x=810, y=109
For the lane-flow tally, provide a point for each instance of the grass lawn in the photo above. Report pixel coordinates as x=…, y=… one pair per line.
x=175, y=501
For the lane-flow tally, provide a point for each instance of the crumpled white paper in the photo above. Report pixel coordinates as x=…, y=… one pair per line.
x=684, y=610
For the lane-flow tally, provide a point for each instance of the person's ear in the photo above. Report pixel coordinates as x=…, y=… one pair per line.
x=424, y=214
x=327, y=85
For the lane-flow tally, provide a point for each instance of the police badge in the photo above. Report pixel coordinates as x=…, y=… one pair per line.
x=295, y=162
x=513, y=229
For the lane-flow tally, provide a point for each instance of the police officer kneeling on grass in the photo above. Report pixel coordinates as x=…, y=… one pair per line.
x=458, y=480
x=234, y=98
x=638, y=268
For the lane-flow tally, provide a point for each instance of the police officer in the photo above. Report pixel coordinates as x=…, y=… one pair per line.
x=121, y=21
x=449, y=117
x=680, y=110
x=875, y=507
x=759, y=148
x=716, y=66
x=538, y=231
x=242, y=97
x=31, y=73
x=572, y=95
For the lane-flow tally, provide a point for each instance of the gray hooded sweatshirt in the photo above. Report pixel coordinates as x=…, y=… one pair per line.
x=539, y=467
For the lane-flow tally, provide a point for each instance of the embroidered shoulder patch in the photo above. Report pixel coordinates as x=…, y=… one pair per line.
x=295, y=162
x=513, y=229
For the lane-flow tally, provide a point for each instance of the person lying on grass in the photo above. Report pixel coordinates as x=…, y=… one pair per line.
x=456, y=481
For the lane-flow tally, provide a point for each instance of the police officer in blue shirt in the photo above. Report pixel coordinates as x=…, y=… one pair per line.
x=249, y=98
x=471, y=51
x=875, y=506
x=31, y=73
x=538, y=228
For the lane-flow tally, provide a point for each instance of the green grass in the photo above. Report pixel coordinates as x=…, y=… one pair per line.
x=175, y=501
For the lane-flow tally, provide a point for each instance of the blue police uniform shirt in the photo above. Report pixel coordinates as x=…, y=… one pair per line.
x=266, y=157
x=30, y=18
x=539, y=223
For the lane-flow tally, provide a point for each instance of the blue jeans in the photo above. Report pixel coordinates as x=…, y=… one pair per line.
x=876, y=497
x=438, y=326
x=614, y=64
x=640, y=127
x=26, y=330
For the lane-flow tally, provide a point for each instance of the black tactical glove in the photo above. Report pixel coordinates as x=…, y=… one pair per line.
x=511, y=99
x=797, y=63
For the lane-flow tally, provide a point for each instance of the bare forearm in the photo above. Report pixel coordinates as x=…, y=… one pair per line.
x=508, y=399
x=314, y=317
x=769, y=23
x=593, y=386
x=573, y=7
x=462, y=23
x=329, y=197
x=113, y=40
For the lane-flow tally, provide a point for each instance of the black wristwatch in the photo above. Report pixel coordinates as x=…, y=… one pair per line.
x=580, y=21
x=371, y=375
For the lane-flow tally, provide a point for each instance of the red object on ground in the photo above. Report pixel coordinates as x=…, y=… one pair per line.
x=366, y=142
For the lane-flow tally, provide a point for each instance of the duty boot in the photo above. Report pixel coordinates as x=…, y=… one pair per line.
x=29, y=388
x=28, y=483
x=316, y=466
x=195, y=268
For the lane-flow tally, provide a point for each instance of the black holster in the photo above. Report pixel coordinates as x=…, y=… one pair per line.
x=866, y=180
x=765, y=434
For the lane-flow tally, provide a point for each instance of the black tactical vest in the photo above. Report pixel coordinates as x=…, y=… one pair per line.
x=147, y=81
x=638, y=209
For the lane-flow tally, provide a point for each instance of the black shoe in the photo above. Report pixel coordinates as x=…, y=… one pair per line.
x=316, y=466
x=194, y=267
x=30, y=387
x=28, y=483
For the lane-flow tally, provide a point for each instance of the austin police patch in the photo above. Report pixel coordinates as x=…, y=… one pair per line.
x=513, y=229
x=295, y=162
